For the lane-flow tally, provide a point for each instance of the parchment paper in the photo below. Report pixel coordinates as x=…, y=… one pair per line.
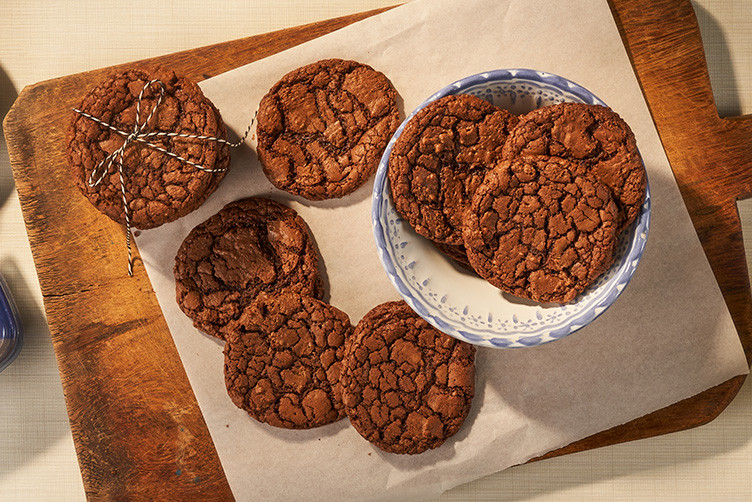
x=668, y=337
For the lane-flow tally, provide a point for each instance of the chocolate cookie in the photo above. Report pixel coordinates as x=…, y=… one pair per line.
x=251, y=245
x=593, y=134
x=159, y=188
x=541, y=228
x=283, y=359
x=323, y=128
x=440, y=159
x=407, y=386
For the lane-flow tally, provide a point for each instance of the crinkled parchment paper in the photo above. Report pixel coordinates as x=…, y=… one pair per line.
x=668, y=337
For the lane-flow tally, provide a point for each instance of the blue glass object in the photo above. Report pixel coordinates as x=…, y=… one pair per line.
x=11, y=332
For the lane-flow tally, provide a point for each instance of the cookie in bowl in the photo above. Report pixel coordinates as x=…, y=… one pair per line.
x=465, y=305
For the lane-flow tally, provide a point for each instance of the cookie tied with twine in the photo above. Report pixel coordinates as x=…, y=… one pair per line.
x=147, y=147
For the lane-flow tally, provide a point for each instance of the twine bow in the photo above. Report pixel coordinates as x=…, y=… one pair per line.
x=138, y=134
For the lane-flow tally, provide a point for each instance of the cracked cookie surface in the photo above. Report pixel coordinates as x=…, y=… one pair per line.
x=541, y=228
x=439, y=160
x=283, y=359
x=250, y=245
x=407, y=386
x=323, y=128
x=159, y=188
x=592, y=134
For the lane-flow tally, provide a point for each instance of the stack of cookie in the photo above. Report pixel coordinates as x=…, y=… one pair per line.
x=540, y=214
x=164, y=174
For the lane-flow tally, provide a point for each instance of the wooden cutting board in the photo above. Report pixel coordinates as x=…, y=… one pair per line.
x=137, y=428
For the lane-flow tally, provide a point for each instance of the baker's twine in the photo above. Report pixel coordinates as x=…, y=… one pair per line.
x=138, y=134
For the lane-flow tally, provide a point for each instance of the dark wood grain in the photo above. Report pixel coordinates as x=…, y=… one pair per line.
x=138, y=431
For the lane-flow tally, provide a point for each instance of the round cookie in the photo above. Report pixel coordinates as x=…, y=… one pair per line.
x=250, y=245
x=159, y=188
x=283, y=359
x=541, y=228
x=323, y=128
x=439, y=160
x=593, y=134
x=407, y=386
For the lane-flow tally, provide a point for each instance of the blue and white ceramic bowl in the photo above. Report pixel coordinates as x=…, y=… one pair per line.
x=462, y=304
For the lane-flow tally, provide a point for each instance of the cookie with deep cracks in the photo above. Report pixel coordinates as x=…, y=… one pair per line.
x=407, y=387
x=323, y=127
x=439, y=160
x=541, y=228
x=283, y=359
x=596, y=137
x=249, y=246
